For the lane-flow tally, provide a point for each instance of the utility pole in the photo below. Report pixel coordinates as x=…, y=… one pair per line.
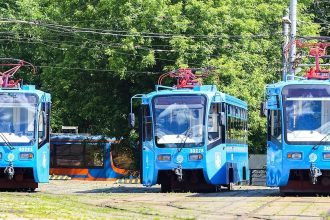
x=293, y=19
x=286, y=23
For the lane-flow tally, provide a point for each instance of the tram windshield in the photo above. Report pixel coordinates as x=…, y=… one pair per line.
x=307, y=113
x=179, y=120
x=17, y=118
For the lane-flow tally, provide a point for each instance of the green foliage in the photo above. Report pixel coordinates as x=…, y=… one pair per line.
x=104, y=51
x=321, y=14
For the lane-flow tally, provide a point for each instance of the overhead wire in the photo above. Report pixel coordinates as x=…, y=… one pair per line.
x=78, y=44
x=98, y=70
x=68, y=30
x=63, y=45
x=126, y=33
x=118, y=52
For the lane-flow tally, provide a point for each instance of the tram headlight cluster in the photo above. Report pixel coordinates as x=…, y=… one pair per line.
x=195, y=156
x=326, y=156
x=164, y=157
x=25, y=156
x=295, y=155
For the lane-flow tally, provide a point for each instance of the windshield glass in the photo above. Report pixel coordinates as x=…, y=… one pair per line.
x=179, y=120
x=17, y=118
x=307, y=113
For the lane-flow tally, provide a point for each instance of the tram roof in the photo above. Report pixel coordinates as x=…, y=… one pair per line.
x=27, y=89
x=77, y=138
x=210, y=91
x=281, y=84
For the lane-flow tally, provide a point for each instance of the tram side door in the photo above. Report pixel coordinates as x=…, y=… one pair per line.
x=43, y=157
x=147, y=163
x=274, y=147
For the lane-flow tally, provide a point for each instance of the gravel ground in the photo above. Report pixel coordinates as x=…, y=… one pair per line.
x=245, y=202
x=72, y=199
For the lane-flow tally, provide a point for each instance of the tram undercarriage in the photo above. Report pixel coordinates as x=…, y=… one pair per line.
x=23, y=179
x=301, y=181
x=192, y=181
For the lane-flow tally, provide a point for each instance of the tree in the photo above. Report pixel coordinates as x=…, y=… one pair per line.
x=93, y=55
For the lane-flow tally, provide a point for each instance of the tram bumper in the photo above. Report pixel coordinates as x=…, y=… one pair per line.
x=171, y=162
x=311, y=174
x=16, y=166
x=179, y=168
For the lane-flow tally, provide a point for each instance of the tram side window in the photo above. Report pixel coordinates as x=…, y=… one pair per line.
x=77, y=155
x=44, y=124
x=147, y=124
x=236, y=125
x=94, y=155
x=69, y=155
x=274, y=125
x=213, y=123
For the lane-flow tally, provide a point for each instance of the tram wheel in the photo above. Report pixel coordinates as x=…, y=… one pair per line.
x=32, y=189
x=165, y=187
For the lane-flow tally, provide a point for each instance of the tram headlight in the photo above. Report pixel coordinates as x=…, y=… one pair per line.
x=295, y=155
x=326, y=156
x=195, y=156
x=164, y=157
x=25, y=156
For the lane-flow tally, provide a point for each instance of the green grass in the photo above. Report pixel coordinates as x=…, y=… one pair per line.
x=84, y=206
x=38, y=205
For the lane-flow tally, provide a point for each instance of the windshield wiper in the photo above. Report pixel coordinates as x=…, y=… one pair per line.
x=3, y=137
x=184, y=140
x=325, y=138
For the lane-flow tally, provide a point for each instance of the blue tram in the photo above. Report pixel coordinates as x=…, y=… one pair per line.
x=192, y=137
x=24, y=133
x=83, y=157
x=298, y=142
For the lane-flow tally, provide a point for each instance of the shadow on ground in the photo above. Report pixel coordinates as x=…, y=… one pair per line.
x=224, y=193
x=123, y=189
x=241, y=193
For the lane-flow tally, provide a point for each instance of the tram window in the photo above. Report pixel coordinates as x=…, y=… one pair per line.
x=236, y=125
x=69, y=155
x=213, y=123
x=78, y=155
x=41, y=127
x=94, y=155
x=147, y=124
x=44, y=124
x=275, y=125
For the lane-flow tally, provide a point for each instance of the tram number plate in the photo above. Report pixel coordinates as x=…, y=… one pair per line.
x=196, y=151
x=25, y=149
x=326, y=148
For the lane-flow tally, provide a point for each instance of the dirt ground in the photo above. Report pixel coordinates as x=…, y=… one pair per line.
x=71, y=199
x=245, y=202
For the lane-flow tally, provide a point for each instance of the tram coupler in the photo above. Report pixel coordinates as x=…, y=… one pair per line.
x=178, y=172
x=315, y=173
x=9, y=171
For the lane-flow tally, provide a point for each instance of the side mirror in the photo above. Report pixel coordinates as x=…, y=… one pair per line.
x=222, y=119
x=263, y=110
x=131, y=120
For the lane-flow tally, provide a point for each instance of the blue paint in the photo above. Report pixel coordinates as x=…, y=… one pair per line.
x=20, y=110
x=94, y=172
x=181, y=122
x=303, y=106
